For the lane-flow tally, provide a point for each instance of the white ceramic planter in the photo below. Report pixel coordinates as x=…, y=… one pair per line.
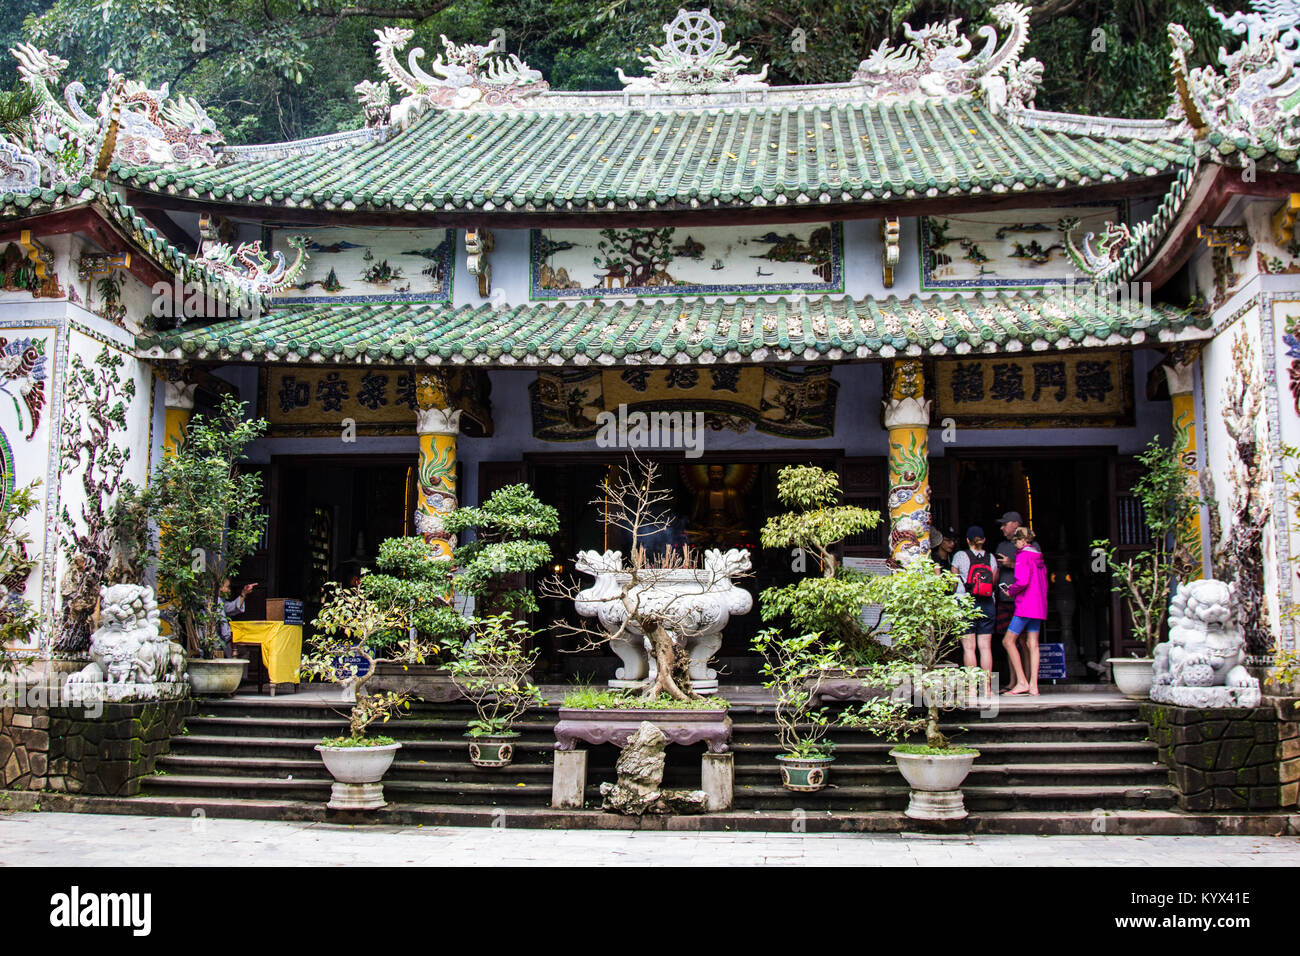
x=357, y=772
x=219, y=677
x=936, y=784
x=1133, y=676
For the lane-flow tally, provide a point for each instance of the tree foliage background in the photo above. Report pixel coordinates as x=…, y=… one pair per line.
x=282, y=69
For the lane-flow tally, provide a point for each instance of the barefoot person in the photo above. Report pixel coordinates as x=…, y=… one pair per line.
x=977, y=576
x=1030, y=593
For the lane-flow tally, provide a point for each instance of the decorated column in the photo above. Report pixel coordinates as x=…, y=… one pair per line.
x=1179, y=374
x=179, y=403
x=437, y=425
x=907, y=416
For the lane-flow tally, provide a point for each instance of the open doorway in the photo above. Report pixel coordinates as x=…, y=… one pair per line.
x=1063, y=496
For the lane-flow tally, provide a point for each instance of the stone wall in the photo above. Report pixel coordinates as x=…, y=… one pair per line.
x=1239, y=759
x=64, y=749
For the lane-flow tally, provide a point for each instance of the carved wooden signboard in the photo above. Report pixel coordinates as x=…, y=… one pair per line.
x=299, y=401
x=1036, y=390
x=582, y=263
x=370, y=265
x=1006, y=248
x=794, y=403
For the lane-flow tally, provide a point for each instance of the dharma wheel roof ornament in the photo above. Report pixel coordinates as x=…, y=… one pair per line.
x=937, y=62
x=694, y=59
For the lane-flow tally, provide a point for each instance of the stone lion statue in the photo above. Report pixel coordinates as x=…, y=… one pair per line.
x=126, y=648
x=1203, y=663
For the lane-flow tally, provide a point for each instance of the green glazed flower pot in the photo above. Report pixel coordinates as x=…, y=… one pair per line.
x=804, y=774
x=495, y=750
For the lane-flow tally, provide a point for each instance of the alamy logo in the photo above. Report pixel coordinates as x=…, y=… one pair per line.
x=651, y=430
x=76, y=909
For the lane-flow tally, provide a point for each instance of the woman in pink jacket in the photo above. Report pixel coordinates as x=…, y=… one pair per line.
x=1030, y=592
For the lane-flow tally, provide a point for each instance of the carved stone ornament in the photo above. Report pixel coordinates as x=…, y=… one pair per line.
x=694, y=59
x=1102, y=258
x=936, y=62
x=470, y=75
x=639, y=789
x=1203, y=662
x=1253, y=102
x=129, y=659
x=907, y=413
x=701, y=602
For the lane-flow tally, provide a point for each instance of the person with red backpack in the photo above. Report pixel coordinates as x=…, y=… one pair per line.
x=977, y=576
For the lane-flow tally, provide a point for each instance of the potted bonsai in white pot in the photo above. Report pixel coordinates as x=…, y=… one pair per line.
x=1146, y=578
x=926, y=620
x=348, y=620
x=794, y=667
x=492, y=671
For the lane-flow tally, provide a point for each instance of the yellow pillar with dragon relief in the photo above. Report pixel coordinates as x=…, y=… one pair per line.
x=437, y=425
x=907, y=417
x=178, y=410
x=1179, y=375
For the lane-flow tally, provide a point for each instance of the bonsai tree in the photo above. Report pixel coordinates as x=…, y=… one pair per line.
x=492, y=672
x=346, y=625
x=926, y=621
x=510, y=529
x=207, y=511
x=1147, y=577
x=830, y=604
x=18, y=619
x=634, y=503
x=794, y=667
x=407, y=573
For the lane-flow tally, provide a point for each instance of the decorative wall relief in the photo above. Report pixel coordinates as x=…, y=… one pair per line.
x=788, y=402
x=314, y=400
x=1239, y=555
x=1007, y=248
x=22, y=378
x=1038, y=390
x=96, y=401
x=586, y=263
x=368, y=265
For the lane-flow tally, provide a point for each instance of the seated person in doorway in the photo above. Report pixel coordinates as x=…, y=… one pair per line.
x=228, y=607
x=1030, y=593
x=977, y=576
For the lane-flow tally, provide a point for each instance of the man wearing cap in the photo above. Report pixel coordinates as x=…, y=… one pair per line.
x=1006, y=556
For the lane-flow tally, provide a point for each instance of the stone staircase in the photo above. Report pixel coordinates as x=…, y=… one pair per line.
x=1076, y=754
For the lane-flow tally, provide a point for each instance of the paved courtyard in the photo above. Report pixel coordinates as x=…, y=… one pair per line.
x=66, y=839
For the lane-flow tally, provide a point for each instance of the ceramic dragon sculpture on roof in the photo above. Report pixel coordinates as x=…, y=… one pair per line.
x=937, y=62
x=248, y=268
x=694, y=59
x=131, y=122
x=470, y=75
x=1254, y=104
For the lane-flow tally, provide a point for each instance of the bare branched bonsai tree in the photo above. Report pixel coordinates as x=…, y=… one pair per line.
x=627, y=593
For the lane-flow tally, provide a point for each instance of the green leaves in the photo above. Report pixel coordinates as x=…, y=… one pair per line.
x=493, y=673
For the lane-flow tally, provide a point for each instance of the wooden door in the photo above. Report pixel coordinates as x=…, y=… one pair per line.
x=865, y=482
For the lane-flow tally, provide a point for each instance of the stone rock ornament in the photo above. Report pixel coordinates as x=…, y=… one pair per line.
x=694, y=60
x=695, y=604
x=129, y=659
x=1203, y=662
x=639, y=789
x=937, y=62
x=1253, y=104
x=470, y=75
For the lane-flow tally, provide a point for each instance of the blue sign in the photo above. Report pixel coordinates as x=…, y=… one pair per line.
x=1051, y=662
x=350, y=665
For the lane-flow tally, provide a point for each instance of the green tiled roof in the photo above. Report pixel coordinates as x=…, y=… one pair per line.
x=560, y=160
x=818, y=329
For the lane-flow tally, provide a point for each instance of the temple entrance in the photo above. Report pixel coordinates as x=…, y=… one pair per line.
x=716, y=503
x=1059, y=495
x=330, y=517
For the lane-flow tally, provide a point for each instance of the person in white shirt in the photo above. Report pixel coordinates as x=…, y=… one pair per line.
x=977, y=576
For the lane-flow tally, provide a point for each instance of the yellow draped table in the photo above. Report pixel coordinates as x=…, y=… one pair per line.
x=281, y=647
